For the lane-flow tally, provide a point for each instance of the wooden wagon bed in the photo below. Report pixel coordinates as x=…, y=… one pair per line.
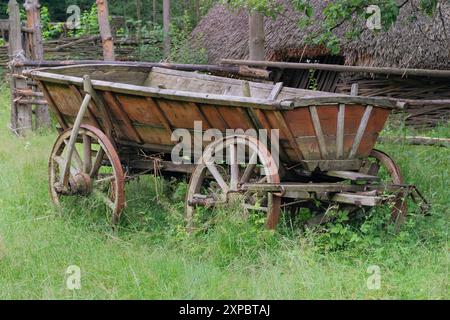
x=326, y=140
x=145, y=105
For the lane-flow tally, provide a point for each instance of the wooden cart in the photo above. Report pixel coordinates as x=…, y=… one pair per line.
x=119, y=121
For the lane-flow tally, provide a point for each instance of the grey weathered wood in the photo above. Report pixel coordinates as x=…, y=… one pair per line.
x=340, y=132
x=15, y=30
x=246, y=89
x=355, y=89
x=350, y=175
x=234, y=168
x=419, y=141
x=37, y=53
x=240, y=70
x=217, y=176
x=21, y=114
x=276, y=91
x=87, y=145
x=324, y=188
x=359, y=200
x=340, y=68
x=327, y=165
x=250, y=167
x=360, y=132
x=168, y=166
x=319, y=132
x=307, y=98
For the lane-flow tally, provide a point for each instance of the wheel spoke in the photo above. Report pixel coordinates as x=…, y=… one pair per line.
x=250, y=168
x=76, y=156
x=234, y=168
x=218, y=177
x=105, y=180
x=87, y=163
x=97, y=162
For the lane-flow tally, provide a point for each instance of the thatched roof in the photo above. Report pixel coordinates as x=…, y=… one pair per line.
x=423, y=43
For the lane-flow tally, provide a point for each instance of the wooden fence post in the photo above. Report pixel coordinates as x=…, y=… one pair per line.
x=21, y=114
x=105, y=30
x=37, y=53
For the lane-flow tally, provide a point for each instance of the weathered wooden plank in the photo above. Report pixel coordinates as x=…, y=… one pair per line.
x=355, y=89
x=275, y=91
x=360, y=132
x=286, y=129
x=319, y=133
x=340, y=132
x=217, y=99
x=115, y=104
x=329, y=165
x=359, y=200
x=162, y=118
x=339, y=68
x=201, y=114
x=53, y=105
x=419, y=141
x=350, y=175
x=90, y=113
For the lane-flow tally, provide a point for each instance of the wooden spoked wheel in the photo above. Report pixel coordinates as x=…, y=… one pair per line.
x=225, y=166
x=95, y=170
x=382, y=165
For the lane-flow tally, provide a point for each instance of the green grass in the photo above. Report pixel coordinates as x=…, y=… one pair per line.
x=152, y=257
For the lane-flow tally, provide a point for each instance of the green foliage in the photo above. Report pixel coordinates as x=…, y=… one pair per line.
x=181, y=51
x=49, y=30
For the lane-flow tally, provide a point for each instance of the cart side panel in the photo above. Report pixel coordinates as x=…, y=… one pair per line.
x=374, y=127
x=67, y=102
x=318, y=140
x=214, y=117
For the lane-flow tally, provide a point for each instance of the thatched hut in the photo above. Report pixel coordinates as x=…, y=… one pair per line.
x=411, y=43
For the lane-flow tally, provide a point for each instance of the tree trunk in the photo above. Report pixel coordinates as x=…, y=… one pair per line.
x=139, y=18
x=154, y=12
x=166, y=27
x=256, y=36
x=105, y=30
x=34, y=22
x=197, y=9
